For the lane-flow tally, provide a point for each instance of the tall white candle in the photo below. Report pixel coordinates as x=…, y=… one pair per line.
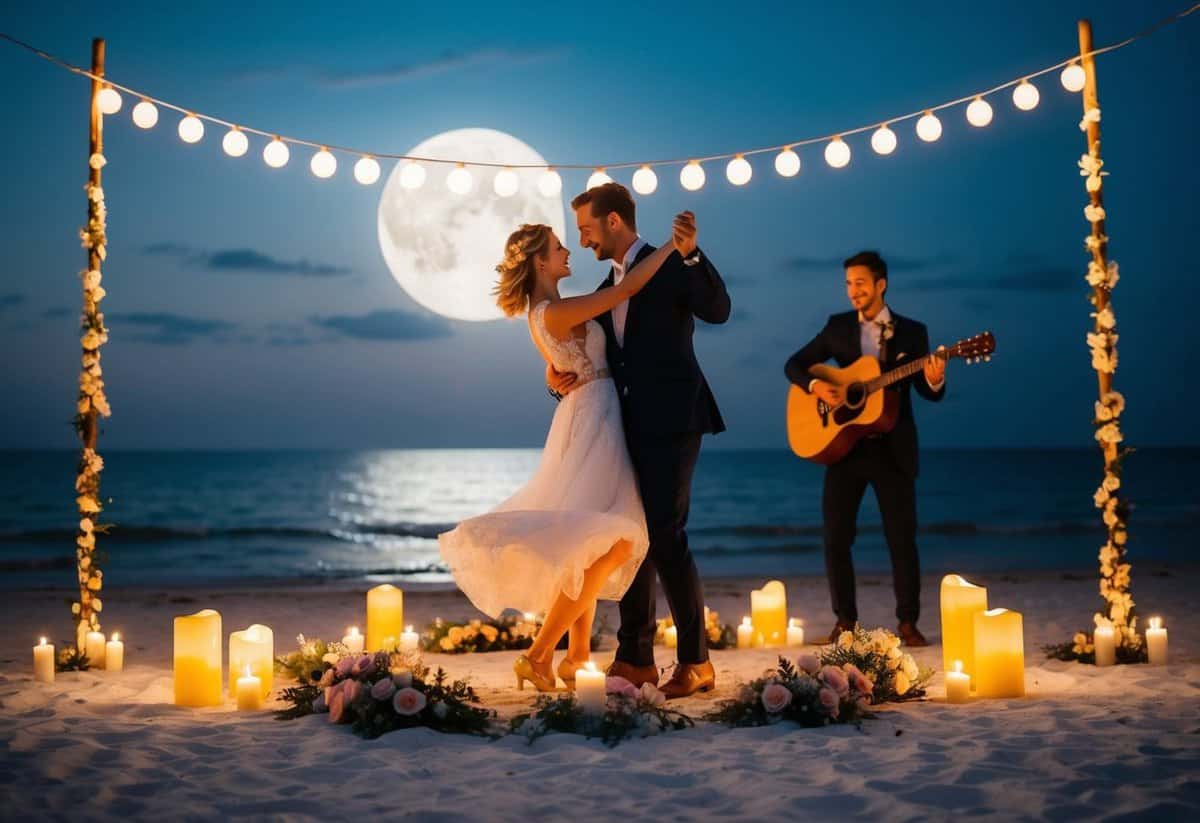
x=745, y=634
x=95, y=649
x=1105, y=645
x=795, y=633
x=43, y=662
x=958, y=684
x=353, y=641
x=590, y=689
x=1156, y=642
x=249, y=692
x=114, y=654
x=409, y=640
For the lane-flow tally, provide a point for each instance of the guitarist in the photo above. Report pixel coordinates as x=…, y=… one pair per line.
x=887, y=462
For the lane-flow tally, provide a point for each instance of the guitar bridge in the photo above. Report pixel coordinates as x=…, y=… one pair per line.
x=823, y=412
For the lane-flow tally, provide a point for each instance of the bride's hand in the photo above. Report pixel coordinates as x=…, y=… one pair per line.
x=683, y=233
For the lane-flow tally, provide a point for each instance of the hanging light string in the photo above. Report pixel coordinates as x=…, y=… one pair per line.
x=832, y=138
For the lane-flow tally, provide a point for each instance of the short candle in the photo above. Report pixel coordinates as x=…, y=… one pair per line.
x=353, y=641
x=249, y=692
x=745, y=634
x=43, y=662
x=1156, y=642
x=795, y=633
x=958, y=684
x=1104, y=642
x=198, y=659
x=95, y=649
x=114, y=654
x=409, y=640
x=253, y=648
x=590, y=689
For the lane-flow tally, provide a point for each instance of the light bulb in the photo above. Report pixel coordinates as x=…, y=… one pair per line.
x=145, y=115
x=929, y=128
x=108, y=100
x=883, y=140
x=459, y=180
x=323, y=164
x=739, y=171
x=1073, y=77
x=645, y=181
x=979, y=113
x=506, y=183
x=691, y=176
x=366, y=170
x=550, y=183
x=1025, y=96
x=787, y=163
x=276, y=153
x=412, y=175
x=235, y=143
x=191, y=129
x=598, y=178
x=837, y=153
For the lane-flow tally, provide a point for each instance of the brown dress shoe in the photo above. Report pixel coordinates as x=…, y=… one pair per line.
x=690, y=678
x=637, y=675
x=838, y=629
x=911, y=635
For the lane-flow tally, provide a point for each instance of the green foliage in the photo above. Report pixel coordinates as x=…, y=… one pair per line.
x=623, y=718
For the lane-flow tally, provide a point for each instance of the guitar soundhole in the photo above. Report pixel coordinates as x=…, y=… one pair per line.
x=856, y=395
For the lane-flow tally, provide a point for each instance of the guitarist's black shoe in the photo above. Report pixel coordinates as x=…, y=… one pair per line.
x=911, y=635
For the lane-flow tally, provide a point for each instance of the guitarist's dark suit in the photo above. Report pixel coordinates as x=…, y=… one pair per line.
x=888, y=463
x=666, y=406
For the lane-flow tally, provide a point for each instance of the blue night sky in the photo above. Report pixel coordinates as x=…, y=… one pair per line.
x=281, y=326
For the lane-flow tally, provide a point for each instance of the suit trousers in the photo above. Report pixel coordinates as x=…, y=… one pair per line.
x=871, y=463
x=664, y=465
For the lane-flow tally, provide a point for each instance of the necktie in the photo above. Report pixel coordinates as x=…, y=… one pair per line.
x=883, y=340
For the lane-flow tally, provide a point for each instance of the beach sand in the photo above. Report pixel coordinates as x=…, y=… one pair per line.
x=1086, y=743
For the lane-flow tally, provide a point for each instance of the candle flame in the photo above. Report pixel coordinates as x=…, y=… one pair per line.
x=590, y=666
x=115, y=637
x=530, y=617
x=958, y=666
x=43, y=643
x=1156, y=622
x=746, y=621
x=408, y=629
x=247, y=671
x=352, y=631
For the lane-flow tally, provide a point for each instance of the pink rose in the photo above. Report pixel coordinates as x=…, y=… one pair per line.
x=808, y=662
x=621, y=686
x=858, y=680
x=829, y=700
x=363, y=666
x=835, y=679
x=650, y=694
x=345, y=666
x=776, y=697
x=408, y=702
x=383, y=689
x=352, y=690
x=337, y=707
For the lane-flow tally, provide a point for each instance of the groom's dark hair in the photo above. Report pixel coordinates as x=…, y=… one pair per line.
x=609, y=198
x=870, y=259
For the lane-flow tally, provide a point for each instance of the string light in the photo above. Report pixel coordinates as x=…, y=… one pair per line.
x=191, y=129
x=276, y=154
x=323, y=164
x=550, y=183
x=691, y=176
x=979, y=113
x=506, y=183
x=366, y=170
x=739, y=171
x=929, y=128
x=883, y=140
x=645, y=181
x=412, y=175
x=108, y=100
x=1025, y=96
x=1073, y=77
x=598, y=178
x=837, y=153
x=235, y=143
x=145, y=115
x=787, y=163
x=459, y=180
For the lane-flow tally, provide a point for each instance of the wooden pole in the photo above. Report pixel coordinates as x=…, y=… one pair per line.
x=95, y=146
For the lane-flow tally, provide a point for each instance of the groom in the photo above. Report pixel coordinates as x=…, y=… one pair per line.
x=666, y=406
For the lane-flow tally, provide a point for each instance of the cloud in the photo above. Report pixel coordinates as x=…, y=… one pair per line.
x=386, y=325
x=804, y=263
x=11, y=301
x=245, y=260
x=447, y=62
x=167, y=329
x=61, y=311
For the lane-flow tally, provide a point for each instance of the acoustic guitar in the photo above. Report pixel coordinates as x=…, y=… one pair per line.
x=825, y=434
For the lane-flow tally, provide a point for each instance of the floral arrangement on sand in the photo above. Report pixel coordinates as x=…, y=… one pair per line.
x=511, y=631
x=629, y=712
x=893, y=673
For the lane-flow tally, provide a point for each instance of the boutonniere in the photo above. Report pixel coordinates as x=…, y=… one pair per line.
x=886, y=330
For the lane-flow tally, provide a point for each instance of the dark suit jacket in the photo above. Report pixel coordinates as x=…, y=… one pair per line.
x=840, y=341
x=658, y=379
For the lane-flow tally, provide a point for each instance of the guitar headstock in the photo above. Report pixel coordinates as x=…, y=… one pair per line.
x=973, y=349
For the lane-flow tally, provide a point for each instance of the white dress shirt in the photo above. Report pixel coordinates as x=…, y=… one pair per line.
x=621, y=310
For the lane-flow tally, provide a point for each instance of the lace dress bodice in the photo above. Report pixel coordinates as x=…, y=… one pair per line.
x=585, y=358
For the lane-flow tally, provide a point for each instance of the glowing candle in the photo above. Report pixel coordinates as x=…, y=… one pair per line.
x=114, y=654
x=249, y=690
x=198, y=659
x=999, y=654
x=385, y=615
x=352, y=640
x=1156, y=642
x=795, y=633
x=961, y=601
x=958, y=684
x=95, y=649
x=589, y=689
x=1106, y=646
x=409, y=640
x=43, y=662
x=671, y=637
x=745, y=634
x=768, y=610
x=253, y=648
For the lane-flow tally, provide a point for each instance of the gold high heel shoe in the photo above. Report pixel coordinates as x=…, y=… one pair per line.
x=524, y=670
x=566, y=671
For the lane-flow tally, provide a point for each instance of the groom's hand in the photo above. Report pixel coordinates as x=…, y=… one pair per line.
x=560, y=381
x=683, y=233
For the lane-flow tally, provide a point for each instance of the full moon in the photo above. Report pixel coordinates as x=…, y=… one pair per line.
x=443, y=247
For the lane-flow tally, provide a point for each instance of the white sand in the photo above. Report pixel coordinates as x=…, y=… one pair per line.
x=1086, y=743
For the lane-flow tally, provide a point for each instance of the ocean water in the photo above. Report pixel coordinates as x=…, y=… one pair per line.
x=191, y=516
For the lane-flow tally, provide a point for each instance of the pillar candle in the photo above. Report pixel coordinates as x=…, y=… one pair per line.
x=1105, y=645
x=253, y=648
x=410, y=641
x=249, y=691
x=1156, y=642
x=114, y=654
x=198, y=659
x=385, y=615
x=43, y=662
x=768, y=609
x=745, y=634
x=795, y=633
x=961, y=601
x=95, y=649
x=353, y=641
x=999, y=654
x=671, y=637
x=590, y=689
x=958, y=684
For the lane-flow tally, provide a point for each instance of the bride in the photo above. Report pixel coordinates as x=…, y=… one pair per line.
x=576, y=531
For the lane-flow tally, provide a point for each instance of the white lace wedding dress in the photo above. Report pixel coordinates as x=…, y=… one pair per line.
x=581, y=500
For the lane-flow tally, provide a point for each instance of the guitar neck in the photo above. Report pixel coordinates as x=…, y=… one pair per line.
x=903, y=372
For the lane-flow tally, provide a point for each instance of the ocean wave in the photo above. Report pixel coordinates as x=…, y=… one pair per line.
x=153, y=534
x=950, y=528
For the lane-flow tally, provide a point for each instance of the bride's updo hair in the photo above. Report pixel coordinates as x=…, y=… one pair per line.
x=517, y=269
